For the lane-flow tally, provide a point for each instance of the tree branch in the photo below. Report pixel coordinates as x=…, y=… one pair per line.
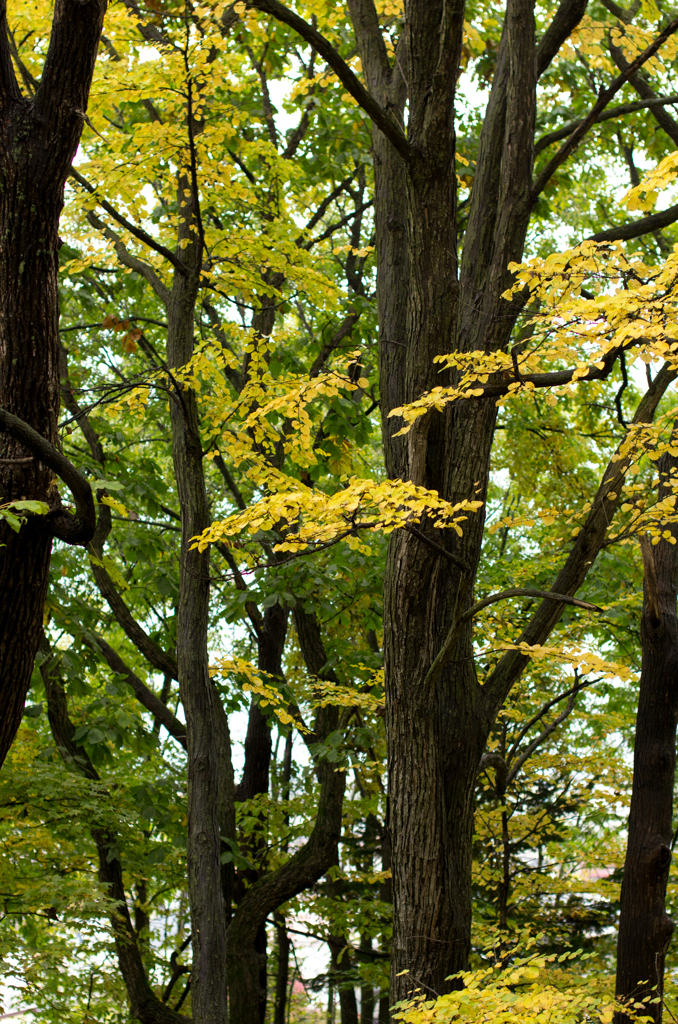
x=584, y=550
x=608, y=115
x=606, y=95
x=447, y=648
x=383, y=119
x=128, y=260
x=64, y=86
x=565, y=20
x=9, y=87
x=138, y=233
x=143, y=693
x=77, y=529
x=646, y=92
x=637, y=228
x=139, y=637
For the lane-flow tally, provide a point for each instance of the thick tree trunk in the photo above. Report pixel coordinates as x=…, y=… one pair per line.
x=437, y=723
x=645, y=928
x=38, y=139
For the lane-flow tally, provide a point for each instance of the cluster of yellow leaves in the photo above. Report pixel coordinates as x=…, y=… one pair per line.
x=349, y=696
x=254, y=683
x=531, y=989
x=637, y=311
x=307, y=516
x=644, y=195
x=586, y=662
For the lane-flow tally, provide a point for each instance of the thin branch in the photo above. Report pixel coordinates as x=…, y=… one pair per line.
x=620, y=111
x=144, y=695
x=454, y=633
x=128, y=260
x=459, y=563
x=138, y=233
x=637, y=228
x=543, y=711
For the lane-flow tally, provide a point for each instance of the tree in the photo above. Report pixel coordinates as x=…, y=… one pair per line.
x=219, y=385
x=439, y=717
x=40, y=137
x=644, y=926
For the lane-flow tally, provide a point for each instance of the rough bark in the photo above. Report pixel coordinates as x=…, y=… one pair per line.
x=283, y=974
x=38, y=139
x=645, y=928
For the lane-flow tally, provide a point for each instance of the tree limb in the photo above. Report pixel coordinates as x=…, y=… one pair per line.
x=138, y=233
x=383, y=119
x=144, y=695
x=9, y=87
x=607, y=115
x=565, y=20
x=583, y=553
x=637, y=228
x=77, y=529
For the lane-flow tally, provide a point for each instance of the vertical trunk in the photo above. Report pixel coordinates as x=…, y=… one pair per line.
x=366, y=991
x=283, y=975
x=341, y=967
x=437, y=725
x=37, y=141
x=644, y=927
x=208, y=980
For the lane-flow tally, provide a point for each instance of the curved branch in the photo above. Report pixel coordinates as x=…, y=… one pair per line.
x=383, y=119
x=154, y=654
x=77, y=529
x=565, y=20
x=583, y=553
x=446, y=650
x=624, y=108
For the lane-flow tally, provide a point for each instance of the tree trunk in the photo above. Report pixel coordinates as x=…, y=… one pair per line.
x=38, y=138
x=283, y=975
x=644, y=927
x=198, y=696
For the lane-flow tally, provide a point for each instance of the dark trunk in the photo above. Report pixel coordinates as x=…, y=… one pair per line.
x=302, y=869
x=38, y=139
x=283, y=975
x=204, y=715
x=341, y=977
x=644, y=926
x=366, y=991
